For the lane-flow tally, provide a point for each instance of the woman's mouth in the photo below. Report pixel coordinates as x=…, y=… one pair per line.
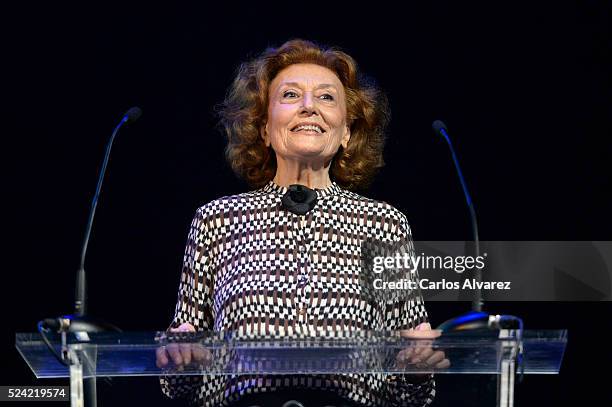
x=312, y=129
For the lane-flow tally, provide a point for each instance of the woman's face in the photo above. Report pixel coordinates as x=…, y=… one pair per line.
x=306, y=114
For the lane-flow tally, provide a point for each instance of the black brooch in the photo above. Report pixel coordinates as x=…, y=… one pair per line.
x=299, y=199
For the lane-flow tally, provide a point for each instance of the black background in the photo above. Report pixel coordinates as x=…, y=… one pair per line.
x=523, y=86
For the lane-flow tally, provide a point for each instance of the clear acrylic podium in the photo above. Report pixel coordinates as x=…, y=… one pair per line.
x=502, y=353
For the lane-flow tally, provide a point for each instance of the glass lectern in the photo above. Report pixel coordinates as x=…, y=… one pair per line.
x=502, y=353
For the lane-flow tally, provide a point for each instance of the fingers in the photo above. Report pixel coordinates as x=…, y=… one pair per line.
x=437, y=360
x=444, y=364
x=175, y=353
x=181, y=354
x=423, y=352
x=201, y=354
x=161, y=357
x=403, y=357
x=198, y=353
x=405, y=354
x=185, y=350
x=434, y=358
x=423, y=358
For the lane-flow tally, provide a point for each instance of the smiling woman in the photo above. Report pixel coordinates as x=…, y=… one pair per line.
x=306, y=124
x=302, y=83
x=304, y=129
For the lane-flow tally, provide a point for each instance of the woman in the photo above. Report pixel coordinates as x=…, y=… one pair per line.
x=304, y=129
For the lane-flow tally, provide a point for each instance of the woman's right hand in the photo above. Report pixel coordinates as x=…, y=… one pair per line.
x=179, y=355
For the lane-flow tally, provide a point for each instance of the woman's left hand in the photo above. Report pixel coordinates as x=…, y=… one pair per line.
x=421, y=354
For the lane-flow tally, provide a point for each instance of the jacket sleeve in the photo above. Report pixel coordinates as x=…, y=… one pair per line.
x=194, y=304
x=405, y=313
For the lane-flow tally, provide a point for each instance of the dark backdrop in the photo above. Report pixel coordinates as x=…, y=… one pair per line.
x=523, y=86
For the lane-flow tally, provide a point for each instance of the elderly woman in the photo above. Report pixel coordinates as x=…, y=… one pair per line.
x=304, y=129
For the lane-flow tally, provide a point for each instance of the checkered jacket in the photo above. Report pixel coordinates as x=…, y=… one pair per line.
x=252, y=267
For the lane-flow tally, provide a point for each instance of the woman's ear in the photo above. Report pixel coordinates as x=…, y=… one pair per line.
x=346, y=137
x=263, y=132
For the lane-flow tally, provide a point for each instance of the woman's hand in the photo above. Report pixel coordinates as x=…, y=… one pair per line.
x=182, y=354
x=422, y=355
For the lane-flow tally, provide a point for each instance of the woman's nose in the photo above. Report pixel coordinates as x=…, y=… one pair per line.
x=308, y=103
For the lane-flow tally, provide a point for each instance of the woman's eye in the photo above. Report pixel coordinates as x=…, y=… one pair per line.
x=327, y=96
x=289, y=94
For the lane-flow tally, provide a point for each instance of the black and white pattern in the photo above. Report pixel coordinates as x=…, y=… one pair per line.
x=253, y=268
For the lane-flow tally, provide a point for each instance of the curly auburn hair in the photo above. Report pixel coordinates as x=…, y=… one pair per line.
x=244, y=112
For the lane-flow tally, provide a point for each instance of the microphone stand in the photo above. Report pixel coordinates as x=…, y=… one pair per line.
x=477, y=302
x=79, y=323
x=476, y=318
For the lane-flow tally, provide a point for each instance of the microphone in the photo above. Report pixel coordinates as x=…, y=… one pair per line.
x=132, y=115
x=440, y=128
x=299, y=199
